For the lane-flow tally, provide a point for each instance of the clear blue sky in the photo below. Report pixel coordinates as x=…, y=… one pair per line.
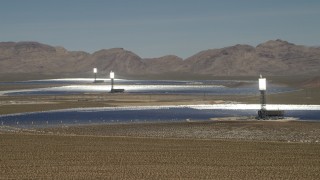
x=153, y=28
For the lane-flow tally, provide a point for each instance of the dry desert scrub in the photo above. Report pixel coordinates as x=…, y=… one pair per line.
x=287, y=131
x=91, y=157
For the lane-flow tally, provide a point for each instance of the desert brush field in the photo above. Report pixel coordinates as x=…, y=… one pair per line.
x=131, y=151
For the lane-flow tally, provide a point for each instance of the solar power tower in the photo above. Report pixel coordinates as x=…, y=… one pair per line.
x=262, y=88
x=113, y=90
x=95, y=71
x=112, y=80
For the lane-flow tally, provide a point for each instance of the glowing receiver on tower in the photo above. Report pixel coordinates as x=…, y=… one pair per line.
x=95, y=70
x=111, y=75
x=262, y=84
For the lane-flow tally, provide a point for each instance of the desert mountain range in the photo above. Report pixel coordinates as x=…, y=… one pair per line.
x=274, y=57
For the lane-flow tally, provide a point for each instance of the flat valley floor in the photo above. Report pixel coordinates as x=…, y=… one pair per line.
x=219, y=149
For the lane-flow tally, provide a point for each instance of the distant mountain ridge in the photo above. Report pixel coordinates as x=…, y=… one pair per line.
x=274, y=57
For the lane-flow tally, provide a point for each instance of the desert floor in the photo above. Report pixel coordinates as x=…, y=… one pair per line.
x=217, y=149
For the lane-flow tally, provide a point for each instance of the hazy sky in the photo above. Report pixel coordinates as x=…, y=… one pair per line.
x=153, y=28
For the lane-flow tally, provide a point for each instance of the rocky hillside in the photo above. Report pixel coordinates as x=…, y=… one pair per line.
x=274, y=57
x=33, y=57
x=118, y=60
x=163, y=64
x=270, y=58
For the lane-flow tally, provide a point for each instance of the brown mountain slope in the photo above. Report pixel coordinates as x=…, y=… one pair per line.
x=271, y=58
x=163, y=64
x=235, y=60
x=274, y=57
x=283, y=58
x=34, y=57
x=119, y=60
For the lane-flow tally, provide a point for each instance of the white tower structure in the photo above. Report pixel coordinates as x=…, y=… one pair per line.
x=95, y=71
x=262, y=89
x=112, y=79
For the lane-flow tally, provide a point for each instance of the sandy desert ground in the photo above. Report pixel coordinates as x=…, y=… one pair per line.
x=185, y=150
